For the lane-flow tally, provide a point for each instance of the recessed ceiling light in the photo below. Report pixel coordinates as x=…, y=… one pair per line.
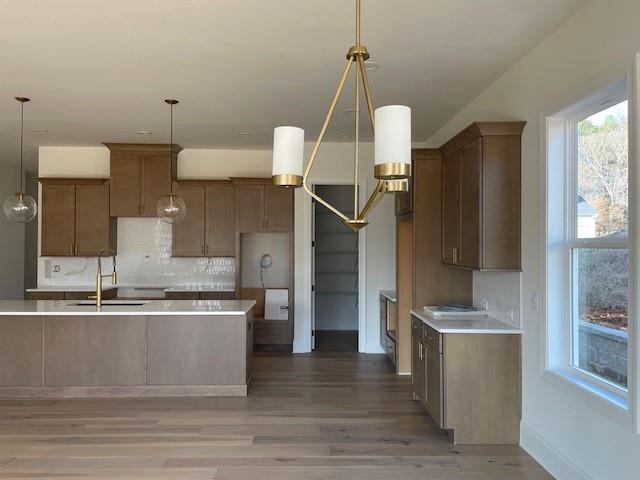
x=369, y=66
x=344, y=135
x=245, y=134
x=40, y=131
x=144, y=132
x=350, y=111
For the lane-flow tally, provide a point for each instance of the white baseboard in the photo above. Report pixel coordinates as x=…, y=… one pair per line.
x=557, y=464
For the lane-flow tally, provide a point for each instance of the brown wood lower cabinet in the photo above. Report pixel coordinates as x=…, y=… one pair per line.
x=469, y=383
x=200, y=295
x=388, y=326
x=67, y=355
x=70, y=295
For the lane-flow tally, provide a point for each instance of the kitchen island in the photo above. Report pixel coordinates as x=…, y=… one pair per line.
x=59, y=349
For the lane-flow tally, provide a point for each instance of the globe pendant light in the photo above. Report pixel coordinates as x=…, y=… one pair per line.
x=171, y=208
x=21, y=207
x=392, y=132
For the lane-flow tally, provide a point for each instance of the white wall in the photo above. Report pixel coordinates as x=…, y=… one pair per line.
x=11, y=240
x=333, y=166
x=73, y=162
x=572, y=437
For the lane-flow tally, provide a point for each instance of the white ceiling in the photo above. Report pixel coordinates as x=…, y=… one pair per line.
x=97, y=71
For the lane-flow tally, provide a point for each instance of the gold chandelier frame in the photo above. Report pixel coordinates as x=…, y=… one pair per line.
x=391, y=177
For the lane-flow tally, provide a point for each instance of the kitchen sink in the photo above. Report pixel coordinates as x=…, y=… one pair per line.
x=108, y=303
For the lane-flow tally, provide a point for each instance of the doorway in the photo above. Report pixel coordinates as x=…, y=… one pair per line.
x=335, y=273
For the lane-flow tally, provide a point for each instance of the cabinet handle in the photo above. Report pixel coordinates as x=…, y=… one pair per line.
x=420, y=350
x=71, y=249
x=455, y=255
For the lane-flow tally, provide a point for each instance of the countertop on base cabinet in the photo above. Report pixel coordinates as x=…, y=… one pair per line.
x=469, y=381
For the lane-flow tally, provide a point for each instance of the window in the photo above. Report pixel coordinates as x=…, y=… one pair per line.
x=587, y=242
x=599, y=244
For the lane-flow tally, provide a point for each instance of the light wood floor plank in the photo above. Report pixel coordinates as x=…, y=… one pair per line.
x=308, y=417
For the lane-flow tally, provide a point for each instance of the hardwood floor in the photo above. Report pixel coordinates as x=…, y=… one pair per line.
x=309, y=417
x=336, y=341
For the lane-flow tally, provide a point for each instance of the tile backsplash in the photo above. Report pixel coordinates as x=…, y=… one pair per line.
x=499, y=292
x=144, y=260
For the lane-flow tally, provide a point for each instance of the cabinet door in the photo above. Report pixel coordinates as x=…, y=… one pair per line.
x=92, y=219
x=250, y=208
x=182, y=296
x=450, y=208
x=58, y=220
x=433, y=376
x=383, y=322
x=417, y=366
x=217, y=295
x=470, y=204
x=125, y=185
x=156, y=182
x=278, y=209
x=221, y=221
x=249, y=346
x=188, y=235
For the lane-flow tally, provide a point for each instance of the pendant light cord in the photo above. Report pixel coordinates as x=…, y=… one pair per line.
x=171, y=147
x=21, y=144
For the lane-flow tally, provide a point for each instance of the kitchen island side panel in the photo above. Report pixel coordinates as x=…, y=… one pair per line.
x=21, y=350
x=197, y=350
x=94, y=350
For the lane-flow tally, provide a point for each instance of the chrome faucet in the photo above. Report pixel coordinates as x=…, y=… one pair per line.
x=100, y=276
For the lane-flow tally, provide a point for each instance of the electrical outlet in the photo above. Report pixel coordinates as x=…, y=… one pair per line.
x=485, y=304
x=57, y=268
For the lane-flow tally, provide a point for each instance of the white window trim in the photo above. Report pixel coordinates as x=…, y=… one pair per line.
x=558, y=140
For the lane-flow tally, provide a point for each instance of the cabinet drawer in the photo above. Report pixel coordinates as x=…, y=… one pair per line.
x=417, y=326
x=432, y=338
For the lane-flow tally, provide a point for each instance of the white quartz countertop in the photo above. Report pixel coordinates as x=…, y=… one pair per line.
x=389, y=295
x=70, y=288
x=199, y=288
x=464, y=324
x=150, y=307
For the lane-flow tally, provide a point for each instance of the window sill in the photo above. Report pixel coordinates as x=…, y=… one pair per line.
x=600, y=398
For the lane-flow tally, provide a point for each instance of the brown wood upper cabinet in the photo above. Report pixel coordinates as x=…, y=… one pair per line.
x=209, y=226
x=75, y=217
x=263, y=207
x=481, y=197
x=141, y=174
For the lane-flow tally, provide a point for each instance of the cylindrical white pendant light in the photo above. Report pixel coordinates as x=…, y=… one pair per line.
x=288, y=156
x=393, y=142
